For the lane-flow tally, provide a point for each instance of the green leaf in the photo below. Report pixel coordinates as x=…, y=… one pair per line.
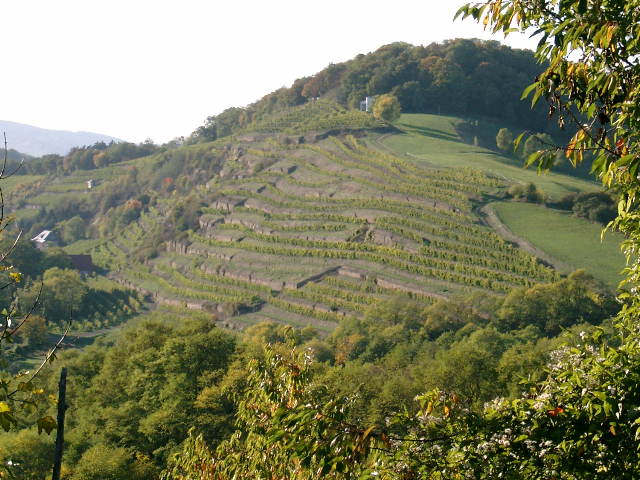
x=517, y=141
x=536, y=97
x=528, y=90
x=277, y=436
x=532, y=158
x=625, y=160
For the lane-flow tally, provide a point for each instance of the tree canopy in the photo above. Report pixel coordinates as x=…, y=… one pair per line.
x=387, y=108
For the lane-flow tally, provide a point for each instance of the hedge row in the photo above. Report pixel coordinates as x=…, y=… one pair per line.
x=230, y=281
x=494, y=283
x=327, y=300
x=288, y=228
x=183, y=292
x=342, y=294
x=391, y=206
x=331, y=217
x=423, y=177
x=205, y=286
x=529, y=269
x=215, y=211
x=453, y=197
x=302, y=310
x=366, y=288
x=440, y=262
x=473, y=235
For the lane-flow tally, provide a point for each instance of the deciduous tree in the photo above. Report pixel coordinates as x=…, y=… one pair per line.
x=387, y=108
x=505, y=140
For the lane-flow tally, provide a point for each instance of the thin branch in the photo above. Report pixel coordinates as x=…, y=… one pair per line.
x=14, y=172
x=4, y=166
x=12, y=246
x=53, y=351
x=50, y=354
x=35, y=304
x=5, y=155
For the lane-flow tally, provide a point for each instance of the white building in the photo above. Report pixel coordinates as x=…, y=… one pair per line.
x=366, y=104
x=45, y=239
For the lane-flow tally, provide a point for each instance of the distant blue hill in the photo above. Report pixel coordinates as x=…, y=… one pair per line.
x=40, y=141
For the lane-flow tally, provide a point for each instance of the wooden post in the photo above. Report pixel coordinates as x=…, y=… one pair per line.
x=62, y=408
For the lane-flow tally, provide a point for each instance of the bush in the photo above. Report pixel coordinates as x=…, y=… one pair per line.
x=595, y=206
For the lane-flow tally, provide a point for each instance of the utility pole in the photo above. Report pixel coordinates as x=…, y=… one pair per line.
x=62, y=409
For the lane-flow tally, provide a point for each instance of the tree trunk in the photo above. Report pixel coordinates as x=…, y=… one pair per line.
x=62, y=408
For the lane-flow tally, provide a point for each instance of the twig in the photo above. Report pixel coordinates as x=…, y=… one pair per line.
x=50, y=354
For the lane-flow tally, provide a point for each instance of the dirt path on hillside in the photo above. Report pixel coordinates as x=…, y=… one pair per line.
x=501, y=229
x=378, y=142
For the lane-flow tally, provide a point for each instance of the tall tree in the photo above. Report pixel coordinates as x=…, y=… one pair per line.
x=505, y=140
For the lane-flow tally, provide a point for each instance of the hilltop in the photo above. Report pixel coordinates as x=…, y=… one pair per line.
x=483, y=79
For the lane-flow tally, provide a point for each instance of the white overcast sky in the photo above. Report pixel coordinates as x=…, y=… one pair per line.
x=138, y=69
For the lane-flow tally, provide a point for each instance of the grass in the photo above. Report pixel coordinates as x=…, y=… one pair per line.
x=574, y=241
x=25, y=213
x=84, y=246
x=68, y=187
x=432, y=139
x=10, y=183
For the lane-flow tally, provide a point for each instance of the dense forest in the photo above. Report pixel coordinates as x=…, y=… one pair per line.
x=164, y=375
x=457, y=77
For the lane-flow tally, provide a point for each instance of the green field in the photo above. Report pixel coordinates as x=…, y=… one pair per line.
x=432, y=139
x=574, y=241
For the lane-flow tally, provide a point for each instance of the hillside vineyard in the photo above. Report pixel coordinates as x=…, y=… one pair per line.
x=308, y=233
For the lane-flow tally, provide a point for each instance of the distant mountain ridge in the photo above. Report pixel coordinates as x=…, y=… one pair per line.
x=41, y=141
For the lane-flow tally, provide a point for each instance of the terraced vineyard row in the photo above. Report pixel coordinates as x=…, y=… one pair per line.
x=329, y=230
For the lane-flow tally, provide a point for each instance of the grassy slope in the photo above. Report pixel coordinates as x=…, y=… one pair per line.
x=574, y=241
x=434, y=140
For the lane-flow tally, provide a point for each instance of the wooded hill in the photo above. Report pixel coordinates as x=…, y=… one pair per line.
x=457, y=77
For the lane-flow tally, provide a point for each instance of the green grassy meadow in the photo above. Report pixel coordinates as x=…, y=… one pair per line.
x=432, y=139
x=572, y=240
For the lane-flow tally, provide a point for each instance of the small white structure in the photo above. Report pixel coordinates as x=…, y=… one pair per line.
x=45, y=239
x=366, y=104
x=91, y=184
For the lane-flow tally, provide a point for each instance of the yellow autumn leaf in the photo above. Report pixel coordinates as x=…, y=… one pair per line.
x=385, y=440
x=429, y=408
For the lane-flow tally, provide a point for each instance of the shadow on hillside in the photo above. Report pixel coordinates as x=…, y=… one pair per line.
x=430, y=132
x=386, y=129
